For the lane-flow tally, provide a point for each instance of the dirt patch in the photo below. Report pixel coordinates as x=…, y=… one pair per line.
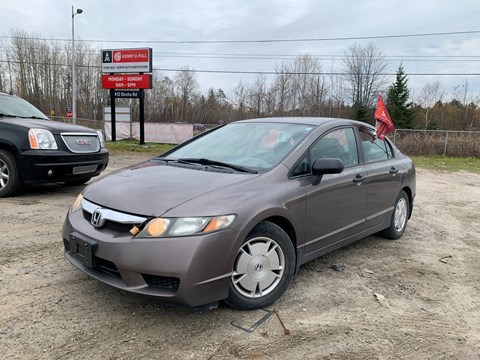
x=416, y=298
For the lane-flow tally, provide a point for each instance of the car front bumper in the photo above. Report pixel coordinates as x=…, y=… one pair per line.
x=191, y=270
x=58, y=165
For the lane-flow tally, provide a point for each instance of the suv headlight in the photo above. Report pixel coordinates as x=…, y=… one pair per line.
x=41, y=139
x=165, y=227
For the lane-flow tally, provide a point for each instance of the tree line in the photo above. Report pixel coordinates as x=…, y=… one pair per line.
x=40, y=72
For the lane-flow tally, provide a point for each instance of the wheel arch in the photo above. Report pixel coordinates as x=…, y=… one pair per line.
x=286, y=226
x=282, y=222
x=7, y=145
x=409, y=193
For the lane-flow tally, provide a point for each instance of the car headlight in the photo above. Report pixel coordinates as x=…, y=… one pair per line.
x=101, y=138
x=41, y=139
x=77, y=204
x=165, y=227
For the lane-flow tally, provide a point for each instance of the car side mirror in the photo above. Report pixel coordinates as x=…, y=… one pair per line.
x=326, y=166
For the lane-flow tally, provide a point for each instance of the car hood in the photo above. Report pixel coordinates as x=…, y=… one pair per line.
x=53, y=126
x=151, y=189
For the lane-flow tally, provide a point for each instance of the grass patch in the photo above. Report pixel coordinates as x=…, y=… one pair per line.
x=469, y=164
x=131, y=146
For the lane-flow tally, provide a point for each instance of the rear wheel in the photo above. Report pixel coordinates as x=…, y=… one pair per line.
x=398, y=222
x=10, y=180
x=263, y=268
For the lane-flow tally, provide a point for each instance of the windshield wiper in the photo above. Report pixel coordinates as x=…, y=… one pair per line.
x=203, y=161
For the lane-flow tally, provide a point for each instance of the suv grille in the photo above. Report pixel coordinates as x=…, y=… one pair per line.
x=81, y=142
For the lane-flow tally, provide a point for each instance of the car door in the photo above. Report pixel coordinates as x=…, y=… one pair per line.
x=383, y=177
x=335, y=208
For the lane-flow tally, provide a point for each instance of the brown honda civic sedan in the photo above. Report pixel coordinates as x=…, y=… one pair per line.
x=233, y=213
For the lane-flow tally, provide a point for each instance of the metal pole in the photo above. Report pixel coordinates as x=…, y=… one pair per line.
x=74, y=85
x=113, y=116
x=74, y=75
x=142, y=117
x=446, y=144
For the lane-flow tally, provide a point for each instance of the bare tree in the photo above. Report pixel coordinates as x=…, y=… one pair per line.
x=257, y=95
x=336, y=95
x=469, y=103
x=307, y=84
x=363, y=67
x=281, y=88
x=186, y=85
x=430, y=94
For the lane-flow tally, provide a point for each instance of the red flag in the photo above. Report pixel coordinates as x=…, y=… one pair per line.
x=383, y=123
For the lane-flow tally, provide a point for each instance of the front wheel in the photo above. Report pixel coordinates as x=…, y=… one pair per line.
x=263, y=268
x=10, y=179
x=398, y=222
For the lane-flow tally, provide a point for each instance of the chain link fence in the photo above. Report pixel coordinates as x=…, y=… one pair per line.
x=438, y=142
x=92, y=124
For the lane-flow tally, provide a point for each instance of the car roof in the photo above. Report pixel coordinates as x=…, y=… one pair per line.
x=313, y=121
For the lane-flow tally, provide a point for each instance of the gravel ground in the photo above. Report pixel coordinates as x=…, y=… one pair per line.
x=415, y=298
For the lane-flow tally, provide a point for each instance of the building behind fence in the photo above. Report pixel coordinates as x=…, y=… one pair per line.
x=410, y=141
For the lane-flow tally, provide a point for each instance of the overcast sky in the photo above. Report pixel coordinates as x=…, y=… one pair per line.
x=182, y=20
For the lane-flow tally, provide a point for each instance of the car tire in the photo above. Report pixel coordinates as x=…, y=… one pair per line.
x=398, y=222
x=263, y=268
x=77, y=181
x=10, y=179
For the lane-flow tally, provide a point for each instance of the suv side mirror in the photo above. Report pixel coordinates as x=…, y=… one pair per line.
x=326, y=166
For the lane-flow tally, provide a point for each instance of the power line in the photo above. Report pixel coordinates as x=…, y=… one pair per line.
x=254, y=41
x=248, y=72
x=388, y=58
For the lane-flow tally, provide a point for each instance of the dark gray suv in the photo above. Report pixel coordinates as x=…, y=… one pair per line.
x=234, y=212
x=34, y=149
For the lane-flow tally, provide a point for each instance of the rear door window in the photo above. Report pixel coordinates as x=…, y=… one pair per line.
x=374, y=149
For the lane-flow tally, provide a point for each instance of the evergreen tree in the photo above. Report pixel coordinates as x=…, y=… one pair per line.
x=399, y=108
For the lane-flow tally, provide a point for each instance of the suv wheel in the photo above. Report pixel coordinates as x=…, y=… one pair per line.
x=10, y=179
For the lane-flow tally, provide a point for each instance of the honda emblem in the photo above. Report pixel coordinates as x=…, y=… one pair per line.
x=97, y=219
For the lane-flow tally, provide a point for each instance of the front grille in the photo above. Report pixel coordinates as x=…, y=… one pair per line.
x=117, y=227
x=111, y=225
x=162, y=282
x=81, y=143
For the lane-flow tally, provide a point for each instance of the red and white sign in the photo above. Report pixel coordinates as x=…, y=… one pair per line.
x=127, y=60
x=132, y=81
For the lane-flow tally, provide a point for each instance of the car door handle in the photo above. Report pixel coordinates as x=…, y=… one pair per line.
x=359, y=178
x=393, y=170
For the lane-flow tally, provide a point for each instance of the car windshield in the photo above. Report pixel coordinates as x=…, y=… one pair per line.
x=250, y=145
x=16, y=107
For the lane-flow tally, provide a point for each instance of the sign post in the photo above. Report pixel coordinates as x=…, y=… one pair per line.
x=142, y=117
x=113, y=120
x=124, y=74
